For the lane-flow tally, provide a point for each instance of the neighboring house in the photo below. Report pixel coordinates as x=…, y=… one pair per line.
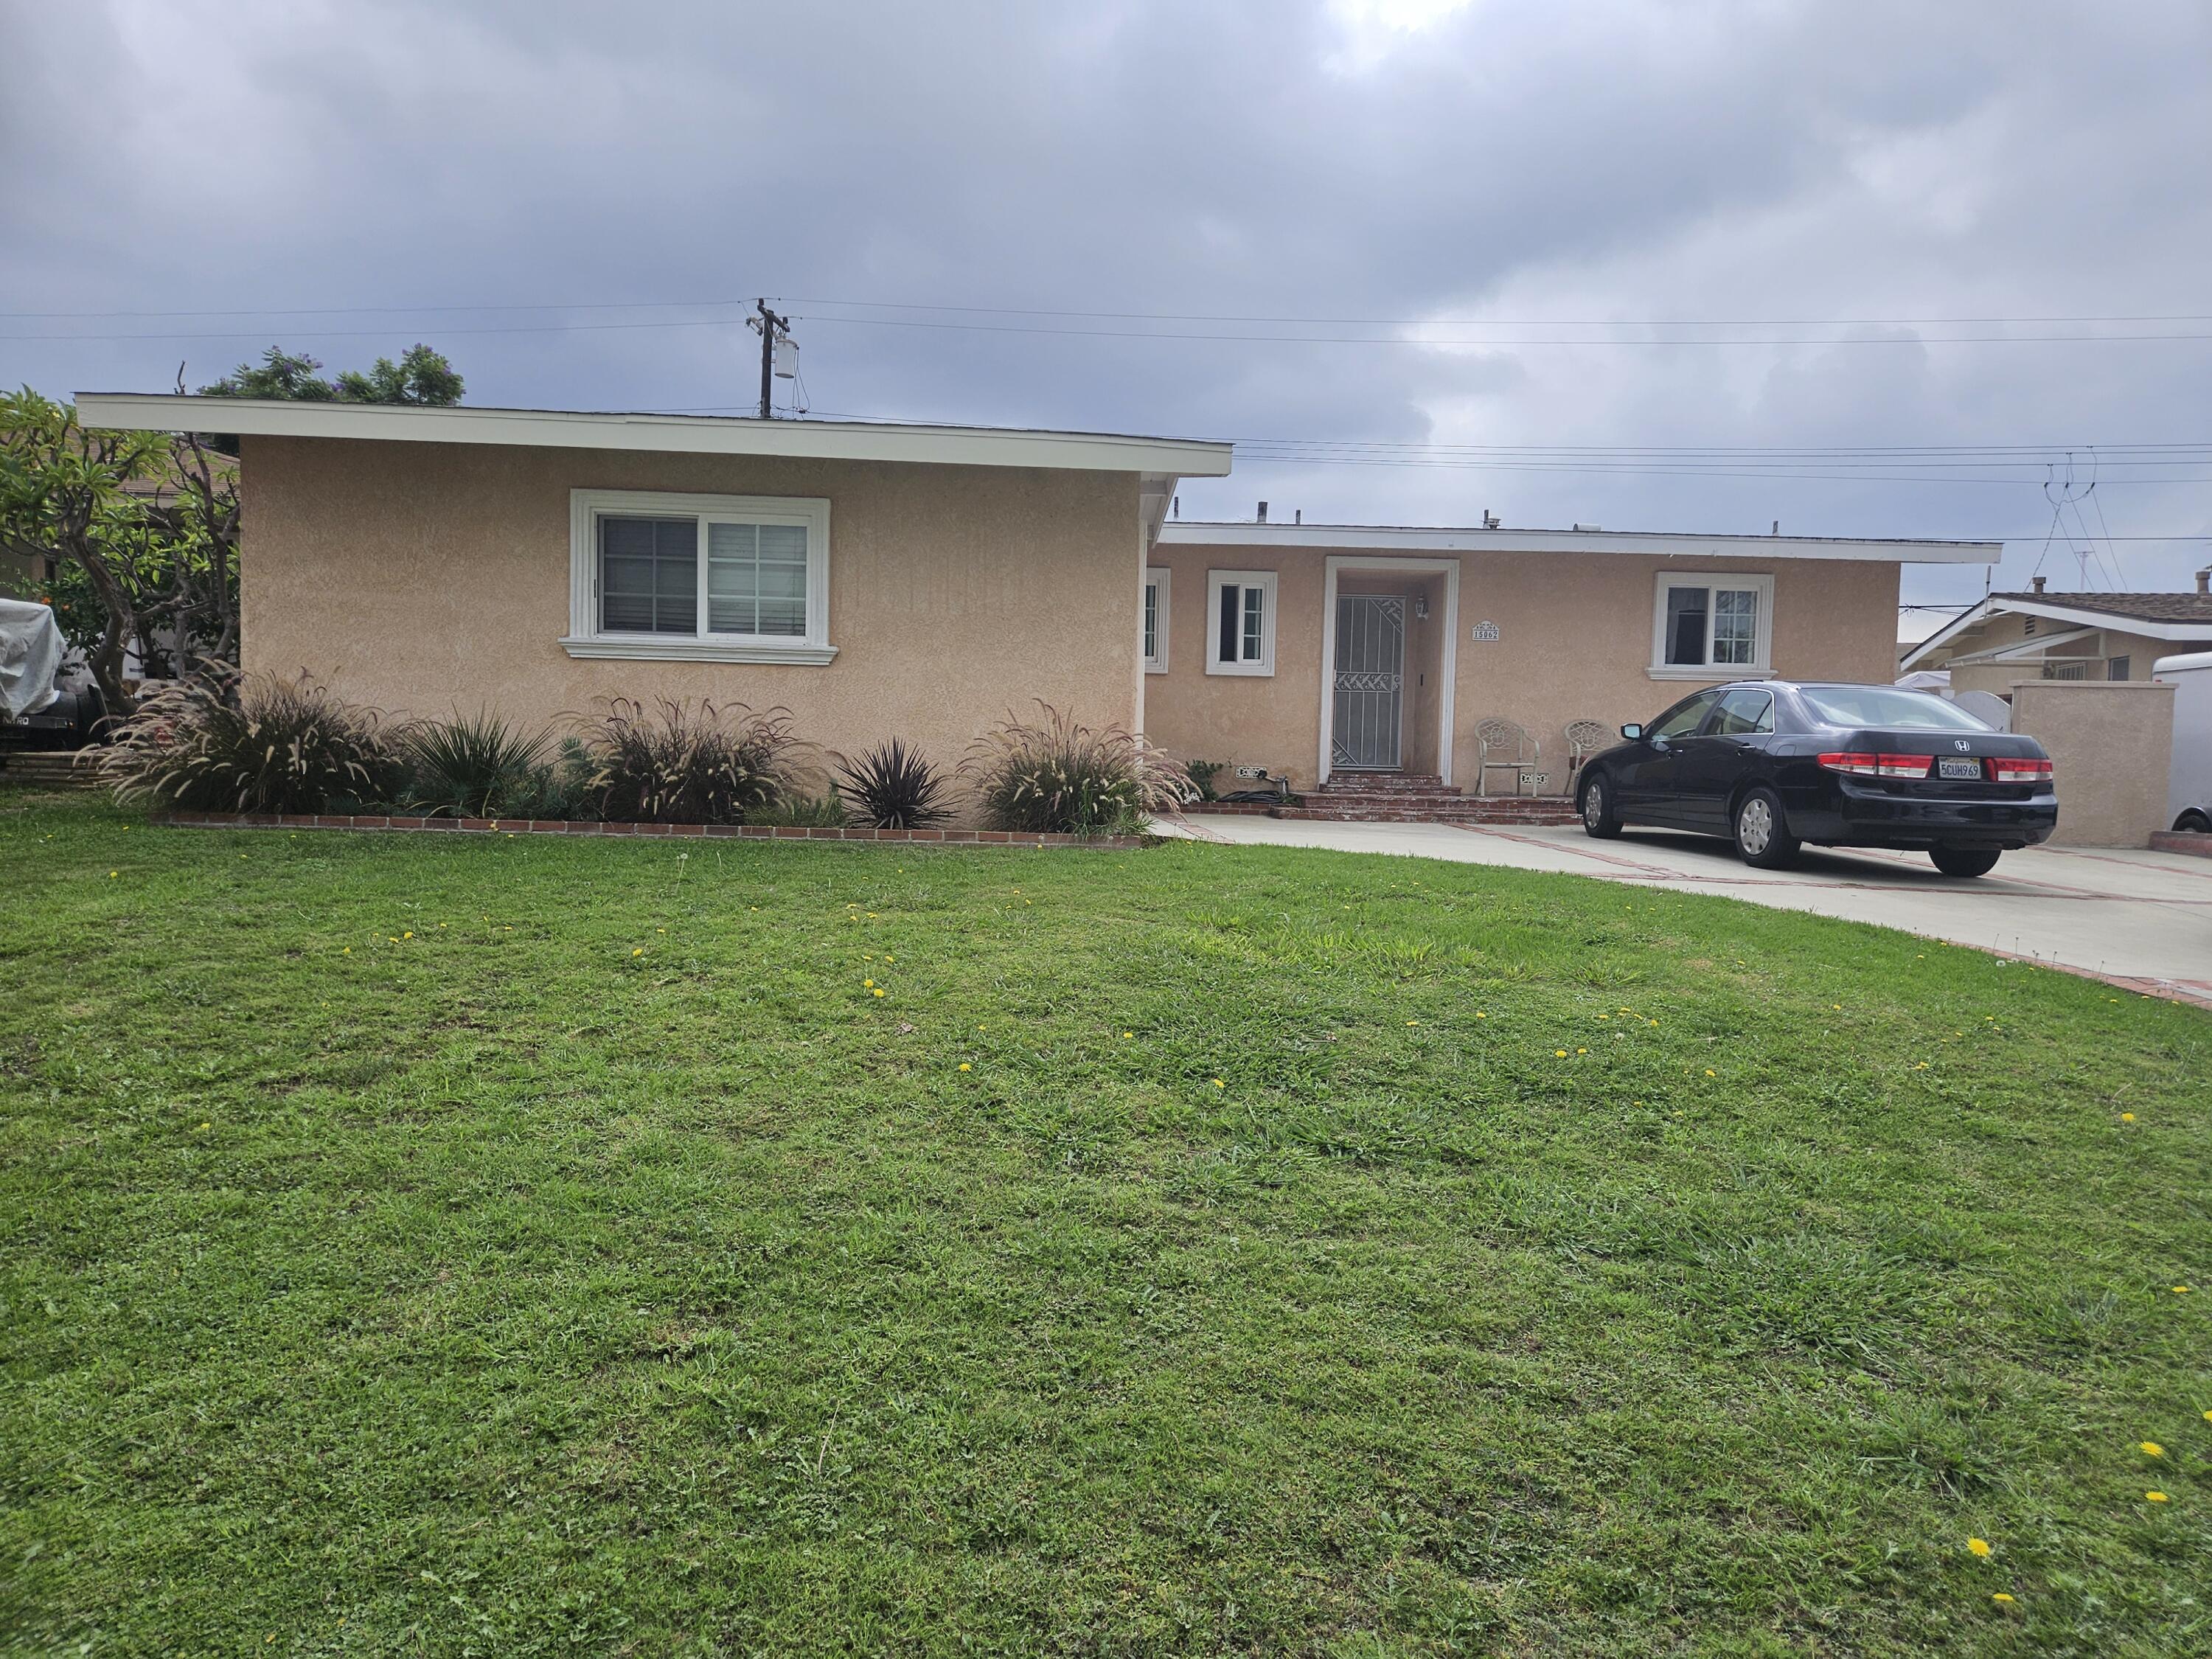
x=2039, y=634
x=922, y=582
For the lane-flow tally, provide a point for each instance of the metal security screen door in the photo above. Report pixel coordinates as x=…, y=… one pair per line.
x=1371, y=680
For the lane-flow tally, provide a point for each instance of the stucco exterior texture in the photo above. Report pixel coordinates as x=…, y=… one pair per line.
x=2110, y=744
x=424, y=579
x=1574, y=642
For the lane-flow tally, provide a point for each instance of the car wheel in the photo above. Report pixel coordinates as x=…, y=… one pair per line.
x=1963, y=861
x=1762, y=834
x=2193, y=820
x=1599, y=817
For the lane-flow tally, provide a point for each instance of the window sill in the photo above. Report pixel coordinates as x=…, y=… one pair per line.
x=1714, y=674
x=694, y=650
x=1156, y=668
x=1243, y=669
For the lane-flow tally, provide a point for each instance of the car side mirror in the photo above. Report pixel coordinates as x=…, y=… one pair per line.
x=1631, y=732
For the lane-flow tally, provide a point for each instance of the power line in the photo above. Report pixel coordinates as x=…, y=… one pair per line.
x=725, y=302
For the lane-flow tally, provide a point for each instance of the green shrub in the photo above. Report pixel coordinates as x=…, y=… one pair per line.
x=689, y=763
x=892, y=786
x=1202, y=775
x=1058, y=775
x=814, y=812
x=266, y=744
x=477, y=767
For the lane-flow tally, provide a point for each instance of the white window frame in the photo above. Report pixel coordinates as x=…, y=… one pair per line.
x=585, y=638
x=1156, y=582
x=1762, y=662
x=1262, y=580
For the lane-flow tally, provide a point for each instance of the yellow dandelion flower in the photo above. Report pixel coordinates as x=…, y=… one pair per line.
x=1979, y=1546
x=2181, y=1290
x=2127, y=1117
x=2154, y=1498
x=1559, y=1054
x=408, y=934
x=639, y=951
x=965, y=1066
x=2151, y=1449
x=1219, y=1083
x=1582, y=1051
x=876, y=992
x=112, y=874
x=1710, y=1072
x=1999, y=1596
x=1478, y=1014
x=1413, y=1022
x=865, y=983
x=1125, y=1036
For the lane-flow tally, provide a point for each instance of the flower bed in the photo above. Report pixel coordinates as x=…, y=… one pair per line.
x=588, y=827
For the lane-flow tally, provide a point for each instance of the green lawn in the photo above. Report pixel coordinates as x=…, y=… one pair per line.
x=505, y=1246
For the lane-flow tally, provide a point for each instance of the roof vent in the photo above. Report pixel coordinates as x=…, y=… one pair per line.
x=2035, y=582
x=2204, y=579
x=1263, y=513
x=1489, y=520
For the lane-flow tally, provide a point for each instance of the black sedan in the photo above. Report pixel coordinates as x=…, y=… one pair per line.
x=1773, y=764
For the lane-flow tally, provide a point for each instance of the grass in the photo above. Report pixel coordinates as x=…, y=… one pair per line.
x=497, y=1246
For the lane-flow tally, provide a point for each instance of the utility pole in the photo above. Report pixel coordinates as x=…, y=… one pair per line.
x=771, y=328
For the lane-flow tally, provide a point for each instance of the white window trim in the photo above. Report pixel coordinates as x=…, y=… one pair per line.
x=1762, y=663
x=1156, y=577
x=1215, y=581
x=585, y=638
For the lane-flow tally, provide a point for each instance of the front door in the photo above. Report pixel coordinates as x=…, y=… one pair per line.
x=1371, y=681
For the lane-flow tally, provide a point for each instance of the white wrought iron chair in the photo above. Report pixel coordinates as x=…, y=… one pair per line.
x=1583, y=739
x=1503, y=743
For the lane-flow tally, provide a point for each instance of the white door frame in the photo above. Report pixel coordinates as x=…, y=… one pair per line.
x=1363, y=564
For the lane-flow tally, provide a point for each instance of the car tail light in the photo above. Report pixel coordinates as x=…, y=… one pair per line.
x=2017, y=768
x=1879, y=766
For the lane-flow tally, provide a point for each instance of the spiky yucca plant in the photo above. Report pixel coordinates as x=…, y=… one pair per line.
x=1057, y=774
x=477, y=767
x=276, y=745
x=892, y=786
x=690, y=763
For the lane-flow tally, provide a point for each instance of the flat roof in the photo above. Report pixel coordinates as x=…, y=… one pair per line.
x=709, y=435
x=1429, y=538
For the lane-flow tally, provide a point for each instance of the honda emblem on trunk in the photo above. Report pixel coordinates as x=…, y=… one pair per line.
x=1960, y=744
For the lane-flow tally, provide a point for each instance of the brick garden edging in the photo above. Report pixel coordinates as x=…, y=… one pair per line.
x=584, y=827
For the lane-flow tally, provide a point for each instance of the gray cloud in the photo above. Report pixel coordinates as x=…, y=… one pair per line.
x=1505, y=160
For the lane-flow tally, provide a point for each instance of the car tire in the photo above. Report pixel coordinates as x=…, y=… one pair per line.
x=2194, y=822
x=1761, y=834
x=1964, y=860
x=1601, y=818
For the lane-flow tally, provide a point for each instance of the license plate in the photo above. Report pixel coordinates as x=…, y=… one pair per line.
x=1958, y=769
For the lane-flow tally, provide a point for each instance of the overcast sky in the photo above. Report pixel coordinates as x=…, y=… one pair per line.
x=1518, y=172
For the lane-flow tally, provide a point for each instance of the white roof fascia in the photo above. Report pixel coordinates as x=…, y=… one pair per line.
x=856, y=440
x=1949, y=630
x=2035, y=646
x=1409, y=539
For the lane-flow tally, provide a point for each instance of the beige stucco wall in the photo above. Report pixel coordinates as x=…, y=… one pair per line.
x=2009, y=627
x=2109, y=744
x=422, y=578
x=1574, y=643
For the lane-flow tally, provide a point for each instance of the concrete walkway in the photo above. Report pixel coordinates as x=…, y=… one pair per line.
x=2140, y=919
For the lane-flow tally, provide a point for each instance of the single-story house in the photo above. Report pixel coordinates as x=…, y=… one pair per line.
x=2041, y=635
x=922, y=582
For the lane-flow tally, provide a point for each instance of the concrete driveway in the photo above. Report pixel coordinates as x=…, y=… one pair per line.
x=2140, y=919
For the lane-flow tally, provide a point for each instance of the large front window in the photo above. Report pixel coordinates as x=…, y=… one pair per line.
x=708, y=578
x=1711, y=625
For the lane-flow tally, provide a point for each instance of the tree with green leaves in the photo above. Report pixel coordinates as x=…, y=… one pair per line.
x=420, y=376
x=143, y=529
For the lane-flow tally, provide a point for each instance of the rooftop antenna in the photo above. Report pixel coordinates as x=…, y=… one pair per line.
x=779, y=356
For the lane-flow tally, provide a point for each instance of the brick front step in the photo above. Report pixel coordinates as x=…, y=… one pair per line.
x=1501, y=811
x=50, y=768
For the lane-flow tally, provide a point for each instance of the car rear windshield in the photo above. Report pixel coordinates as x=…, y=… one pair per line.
x=1882, y=704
